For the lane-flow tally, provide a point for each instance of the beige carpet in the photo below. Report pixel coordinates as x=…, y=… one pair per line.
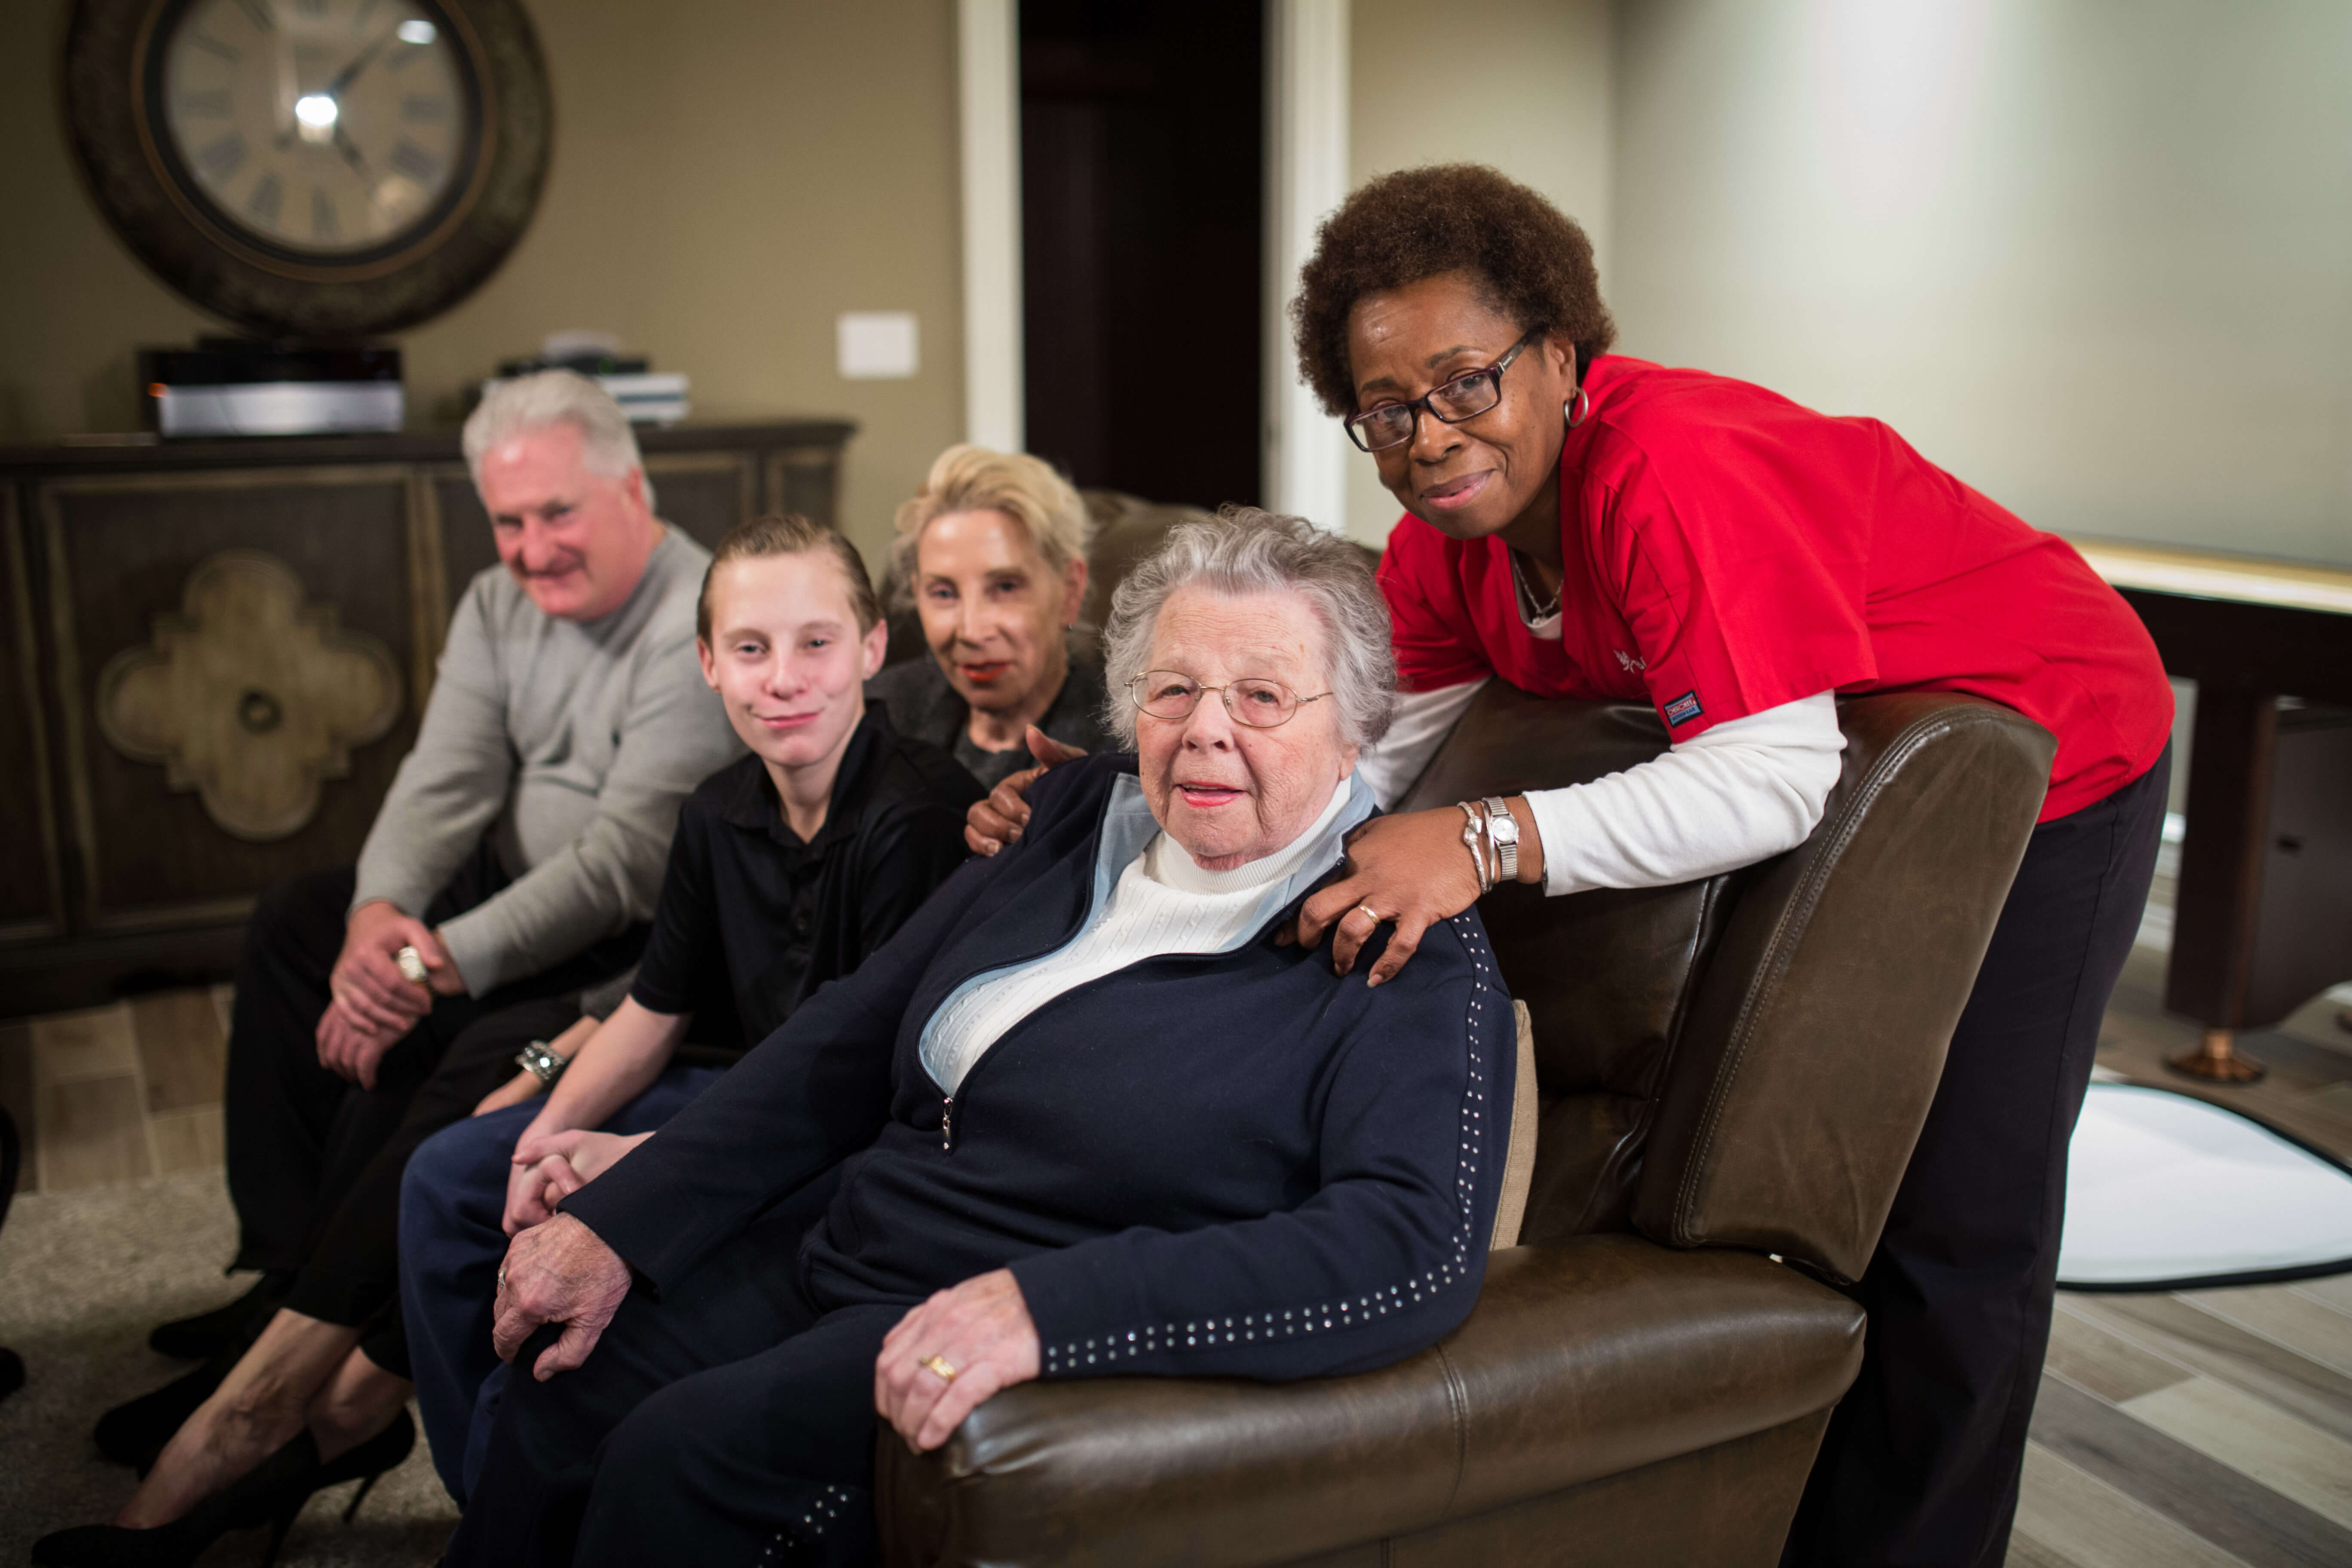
x=83, y=1275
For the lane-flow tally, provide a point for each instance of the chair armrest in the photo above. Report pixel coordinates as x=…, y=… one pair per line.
x=1581, y=1360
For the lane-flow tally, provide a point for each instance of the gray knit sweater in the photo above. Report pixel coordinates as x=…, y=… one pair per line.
x=572, y=743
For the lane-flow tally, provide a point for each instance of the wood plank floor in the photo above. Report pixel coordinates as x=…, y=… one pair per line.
x=2211, y=1426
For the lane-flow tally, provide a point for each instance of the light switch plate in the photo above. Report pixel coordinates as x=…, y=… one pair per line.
x=875, y=345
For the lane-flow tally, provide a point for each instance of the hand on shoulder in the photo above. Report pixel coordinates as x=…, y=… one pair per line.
x=996, y=819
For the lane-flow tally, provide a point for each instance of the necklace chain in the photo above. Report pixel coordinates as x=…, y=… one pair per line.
x=1533, y=609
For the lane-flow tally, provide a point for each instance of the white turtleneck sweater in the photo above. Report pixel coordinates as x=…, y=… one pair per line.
x=1163, y=903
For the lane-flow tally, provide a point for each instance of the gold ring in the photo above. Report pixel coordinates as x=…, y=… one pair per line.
x=1370, y=910
x=939, y=1365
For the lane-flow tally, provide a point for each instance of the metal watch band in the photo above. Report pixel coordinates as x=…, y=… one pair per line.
x=541, y=1063
x=1504, y=829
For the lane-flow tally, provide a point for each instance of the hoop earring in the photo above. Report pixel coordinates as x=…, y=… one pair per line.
x=1578, y=407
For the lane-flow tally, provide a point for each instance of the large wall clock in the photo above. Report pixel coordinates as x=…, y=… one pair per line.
x=316, y=169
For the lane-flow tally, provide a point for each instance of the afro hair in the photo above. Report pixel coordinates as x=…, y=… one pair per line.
x=1532, y=260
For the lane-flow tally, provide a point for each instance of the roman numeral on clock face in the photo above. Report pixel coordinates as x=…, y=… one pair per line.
x=220, y=160
x=269, y=194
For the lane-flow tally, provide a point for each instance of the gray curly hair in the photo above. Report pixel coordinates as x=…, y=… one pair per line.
x=1246, y=551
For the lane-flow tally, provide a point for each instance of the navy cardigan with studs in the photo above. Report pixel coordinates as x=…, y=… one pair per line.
x=1232, y=1165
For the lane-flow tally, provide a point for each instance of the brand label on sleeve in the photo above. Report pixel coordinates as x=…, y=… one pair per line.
x=1683, y=708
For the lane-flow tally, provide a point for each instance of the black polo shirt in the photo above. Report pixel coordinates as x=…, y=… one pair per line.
x=922, y=702
x=753, y=920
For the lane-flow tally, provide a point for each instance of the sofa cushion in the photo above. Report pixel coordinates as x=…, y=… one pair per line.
x=1580, y=1360
x=1519, y=1161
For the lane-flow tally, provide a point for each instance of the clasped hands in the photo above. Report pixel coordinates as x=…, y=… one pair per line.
x=551, y=1166
x=562, y=1272
x=373, y=1003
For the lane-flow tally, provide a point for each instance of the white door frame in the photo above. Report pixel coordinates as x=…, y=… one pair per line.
x=1304, y=460
x=988, y=62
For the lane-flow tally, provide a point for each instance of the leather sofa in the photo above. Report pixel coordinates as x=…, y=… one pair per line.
x=1731, y=1076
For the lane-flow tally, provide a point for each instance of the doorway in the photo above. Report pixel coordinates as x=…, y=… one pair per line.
x=1142, y=207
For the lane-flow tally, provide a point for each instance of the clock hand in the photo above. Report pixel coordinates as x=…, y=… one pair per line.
x=343, y=78
x=351, y=151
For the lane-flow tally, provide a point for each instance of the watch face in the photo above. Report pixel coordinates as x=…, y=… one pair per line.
x=329, y=130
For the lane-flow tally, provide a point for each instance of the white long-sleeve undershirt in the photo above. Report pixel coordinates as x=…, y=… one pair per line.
x=1745, y=789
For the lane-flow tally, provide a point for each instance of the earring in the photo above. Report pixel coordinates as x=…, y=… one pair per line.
x=1576, y=408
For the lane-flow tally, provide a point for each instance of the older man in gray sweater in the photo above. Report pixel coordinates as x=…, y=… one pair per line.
x=516, y=860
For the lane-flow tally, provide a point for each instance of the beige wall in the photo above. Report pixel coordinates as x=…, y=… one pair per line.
x=1532, y=96
x=729, y=176
x=2096, y=258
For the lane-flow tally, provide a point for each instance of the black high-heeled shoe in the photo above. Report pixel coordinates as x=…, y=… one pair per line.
x=273, y=1493
x=135, y=1431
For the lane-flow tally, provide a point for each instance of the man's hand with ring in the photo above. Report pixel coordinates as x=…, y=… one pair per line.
x=950, y=1355
x=367, y=978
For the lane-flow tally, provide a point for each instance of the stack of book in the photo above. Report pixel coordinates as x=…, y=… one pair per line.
x=646, y=396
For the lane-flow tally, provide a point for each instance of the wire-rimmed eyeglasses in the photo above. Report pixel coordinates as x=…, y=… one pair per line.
x=1464, y=398
x=1257, y=704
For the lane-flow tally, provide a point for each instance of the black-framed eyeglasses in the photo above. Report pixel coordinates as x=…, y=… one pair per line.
x=1258, y=704
x=1464, y=398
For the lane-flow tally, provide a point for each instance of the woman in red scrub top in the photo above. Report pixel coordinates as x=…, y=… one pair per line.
x=1586, y=525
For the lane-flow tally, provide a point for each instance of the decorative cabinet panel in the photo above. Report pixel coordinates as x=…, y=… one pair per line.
x=217, y=655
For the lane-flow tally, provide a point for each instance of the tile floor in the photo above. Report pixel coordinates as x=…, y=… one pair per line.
x=2210, y=1429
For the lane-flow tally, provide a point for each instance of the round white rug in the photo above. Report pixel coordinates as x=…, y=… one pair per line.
x=2165, y=1191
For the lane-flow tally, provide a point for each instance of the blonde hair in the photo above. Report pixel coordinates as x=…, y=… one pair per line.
x=789, y=533
x=973, y=479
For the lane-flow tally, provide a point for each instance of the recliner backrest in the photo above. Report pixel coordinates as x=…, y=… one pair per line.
x=1607, y=975
x=1747, y=1060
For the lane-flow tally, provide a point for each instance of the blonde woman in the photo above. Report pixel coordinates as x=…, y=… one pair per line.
x=992, y=553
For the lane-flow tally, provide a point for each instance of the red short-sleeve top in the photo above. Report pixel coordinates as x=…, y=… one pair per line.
x=1728, y=551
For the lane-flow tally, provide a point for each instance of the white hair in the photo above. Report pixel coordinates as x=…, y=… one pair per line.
x=551, y=397
x=1246, y=551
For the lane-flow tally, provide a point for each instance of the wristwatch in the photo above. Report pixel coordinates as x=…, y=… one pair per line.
x=541, y=1063
x=1504, y=829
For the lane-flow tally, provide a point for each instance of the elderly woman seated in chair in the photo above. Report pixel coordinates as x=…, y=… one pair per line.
x=1085, y=1115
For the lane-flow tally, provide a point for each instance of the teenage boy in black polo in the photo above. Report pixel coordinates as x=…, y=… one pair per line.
x=788, y=868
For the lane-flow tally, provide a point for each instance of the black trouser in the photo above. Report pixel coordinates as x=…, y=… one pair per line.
x=1921, y=1462
x=314, y=1160
x=730, y=1422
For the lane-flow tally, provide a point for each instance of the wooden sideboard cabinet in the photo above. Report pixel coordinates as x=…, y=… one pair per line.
x=216, y=655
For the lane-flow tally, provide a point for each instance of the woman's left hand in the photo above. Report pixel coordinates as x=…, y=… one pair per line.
x=1411, y=869
x=981, y=1329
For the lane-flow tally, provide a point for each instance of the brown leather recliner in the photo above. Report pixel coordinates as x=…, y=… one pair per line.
x=1732, y=1074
